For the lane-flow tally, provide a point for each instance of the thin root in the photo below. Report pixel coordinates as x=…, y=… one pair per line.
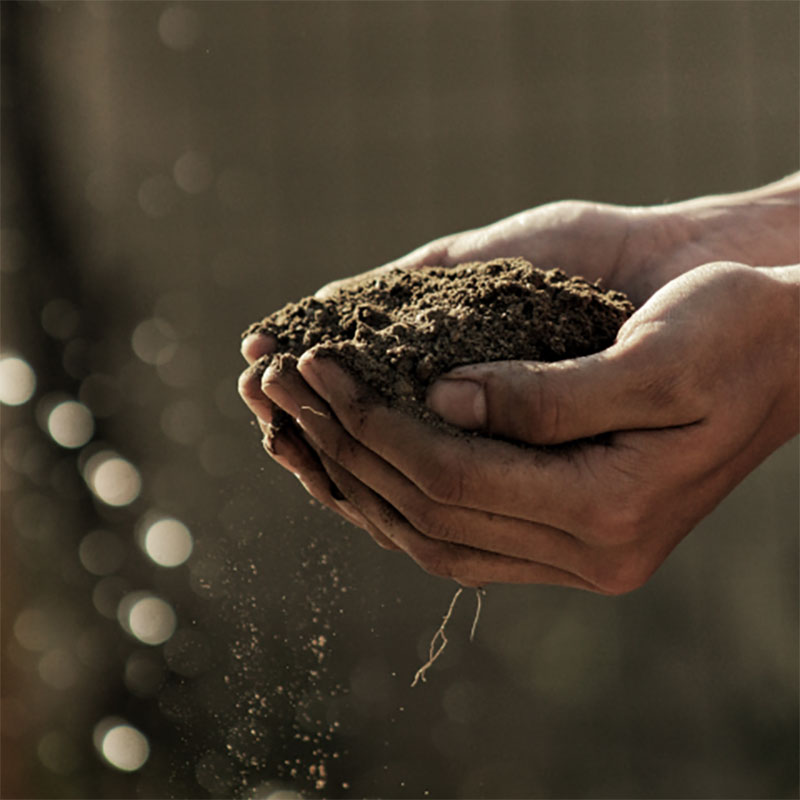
x=478, y=605
x=435, y=650
x=315, y=412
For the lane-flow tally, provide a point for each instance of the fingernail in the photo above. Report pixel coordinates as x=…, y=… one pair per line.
x=247, y=344
x=459, y=402
x=254, y=346
x=308, y=367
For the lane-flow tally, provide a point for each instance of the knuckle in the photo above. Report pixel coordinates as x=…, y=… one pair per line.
x=441, y=479
x=431, y=521
x=440, y=252
x=444, y=486
x=249, y=384
x=544, y=412
x=539, y=391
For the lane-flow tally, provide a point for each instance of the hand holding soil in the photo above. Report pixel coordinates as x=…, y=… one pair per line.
x=699, y=387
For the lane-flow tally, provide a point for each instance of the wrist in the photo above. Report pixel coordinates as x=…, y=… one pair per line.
x=758, y=227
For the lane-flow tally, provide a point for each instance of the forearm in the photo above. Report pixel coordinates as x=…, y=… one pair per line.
x=760, y=226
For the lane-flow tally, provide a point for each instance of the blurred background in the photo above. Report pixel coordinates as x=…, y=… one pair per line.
x=178, y=620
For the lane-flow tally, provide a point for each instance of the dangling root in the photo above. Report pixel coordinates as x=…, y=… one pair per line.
x=478, y=604
x=435, y=650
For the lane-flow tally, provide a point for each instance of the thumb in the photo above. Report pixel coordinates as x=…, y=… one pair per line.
x=548, y=403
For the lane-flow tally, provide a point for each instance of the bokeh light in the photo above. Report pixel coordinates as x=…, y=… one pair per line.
x=107, y=595
x=33, y=629
x=101, y=552
x=17, y=381
x=147, y=617
x=113, y=479
x=153, y=340
x=168, y=542
x=57, y=751
x=70, y=424
x=192, y=172
x=122, y=745
x=179, y=27
x=152, y=620
x=59, y=669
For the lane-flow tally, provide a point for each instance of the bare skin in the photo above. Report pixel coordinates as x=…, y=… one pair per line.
x=700, y=386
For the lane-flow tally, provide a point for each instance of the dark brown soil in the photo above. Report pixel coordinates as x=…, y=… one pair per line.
x=399, y=332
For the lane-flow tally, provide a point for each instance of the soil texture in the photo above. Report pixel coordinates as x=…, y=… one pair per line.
x=398, y=332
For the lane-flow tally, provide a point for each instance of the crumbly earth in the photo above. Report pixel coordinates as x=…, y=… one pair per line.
x=397, y=333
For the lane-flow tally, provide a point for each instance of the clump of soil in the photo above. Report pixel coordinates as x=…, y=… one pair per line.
x=398, y=332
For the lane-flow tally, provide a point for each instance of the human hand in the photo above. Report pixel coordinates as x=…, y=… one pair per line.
x=633, y=249
x=699, y=388
x=577, y=236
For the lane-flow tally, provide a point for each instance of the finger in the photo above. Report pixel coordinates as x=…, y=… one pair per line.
x=339, y=477
x=466, y=565
x=288, y=449
x=250, y=391
x=299, y=459
x=553, y=489
x=257, y=345
x=286, y=387
x=633, y=385
x=477, y=529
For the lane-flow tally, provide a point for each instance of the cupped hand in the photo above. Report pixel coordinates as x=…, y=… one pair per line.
x=699, y=388
x=636, y=250
x=282, y=439
x=627, y=248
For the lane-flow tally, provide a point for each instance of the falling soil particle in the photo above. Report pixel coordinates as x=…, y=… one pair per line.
x=398, y=332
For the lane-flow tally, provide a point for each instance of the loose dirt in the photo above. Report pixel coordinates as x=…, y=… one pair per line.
x=397, y=333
